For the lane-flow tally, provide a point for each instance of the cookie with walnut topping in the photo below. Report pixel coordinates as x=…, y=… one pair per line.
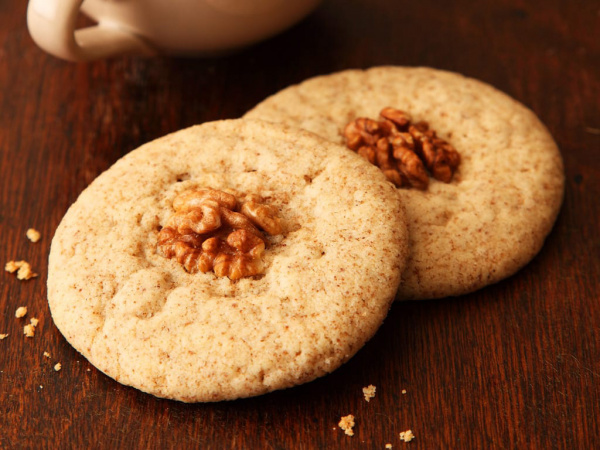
x=227, y=260
x=491, y=207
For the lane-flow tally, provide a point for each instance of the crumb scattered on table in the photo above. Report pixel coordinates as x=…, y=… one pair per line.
x=407, y=436
x=12, y=266
x=3, y=336
x=29, y=330
x=33, y=235
x=58, y=366
x=346, y=424
x=388, y=446
x=21, y=312
x=369, y=392
x=404, y=391
x=47, y=355
x=22, y=268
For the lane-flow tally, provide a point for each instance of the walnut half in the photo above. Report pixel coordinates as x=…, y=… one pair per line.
x=210, y=230
x=404, y=151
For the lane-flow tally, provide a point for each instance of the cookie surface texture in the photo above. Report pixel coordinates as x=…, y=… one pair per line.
x=501, y=204
x=145, y=321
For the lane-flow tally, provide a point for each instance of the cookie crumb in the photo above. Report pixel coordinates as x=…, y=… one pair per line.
x=346, y=424
x=25, y=272
x=3, y=336
x=89, y=370
x=29, y=330
x=407, y=436
x=58, y=366
x=12, y=266
x=47, y=355
x=33, y=235
x=21, y=312
x=23, y=269
x=388, y=446
x=404, y=391
x=369, y=392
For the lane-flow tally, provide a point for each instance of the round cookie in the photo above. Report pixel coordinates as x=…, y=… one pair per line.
x=495, y=214
x=144, y=320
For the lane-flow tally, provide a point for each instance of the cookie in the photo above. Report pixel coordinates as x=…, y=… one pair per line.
x=494, y=214
x=140, y=305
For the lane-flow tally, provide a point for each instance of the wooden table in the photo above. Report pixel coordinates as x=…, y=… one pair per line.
x=515, y=365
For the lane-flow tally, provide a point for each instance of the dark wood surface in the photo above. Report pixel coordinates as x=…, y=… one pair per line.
x=515, y=365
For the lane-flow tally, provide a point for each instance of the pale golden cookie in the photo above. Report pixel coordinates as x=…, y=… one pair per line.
x=329, y=278
x=494, y=215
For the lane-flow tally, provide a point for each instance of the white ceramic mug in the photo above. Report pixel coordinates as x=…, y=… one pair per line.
x=181, y=27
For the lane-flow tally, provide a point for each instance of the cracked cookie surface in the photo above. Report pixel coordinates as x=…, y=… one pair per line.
x=146, y=321
x=494, y=215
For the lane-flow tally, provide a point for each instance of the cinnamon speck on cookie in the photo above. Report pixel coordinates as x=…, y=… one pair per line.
x=347, y=423
x=369, y=392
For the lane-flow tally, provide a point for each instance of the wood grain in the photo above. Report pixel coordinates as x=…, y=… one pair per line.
x=515, y=365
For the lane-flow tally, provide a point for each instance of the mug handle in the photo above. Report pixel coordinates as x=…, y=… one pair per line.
x=51, y=24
